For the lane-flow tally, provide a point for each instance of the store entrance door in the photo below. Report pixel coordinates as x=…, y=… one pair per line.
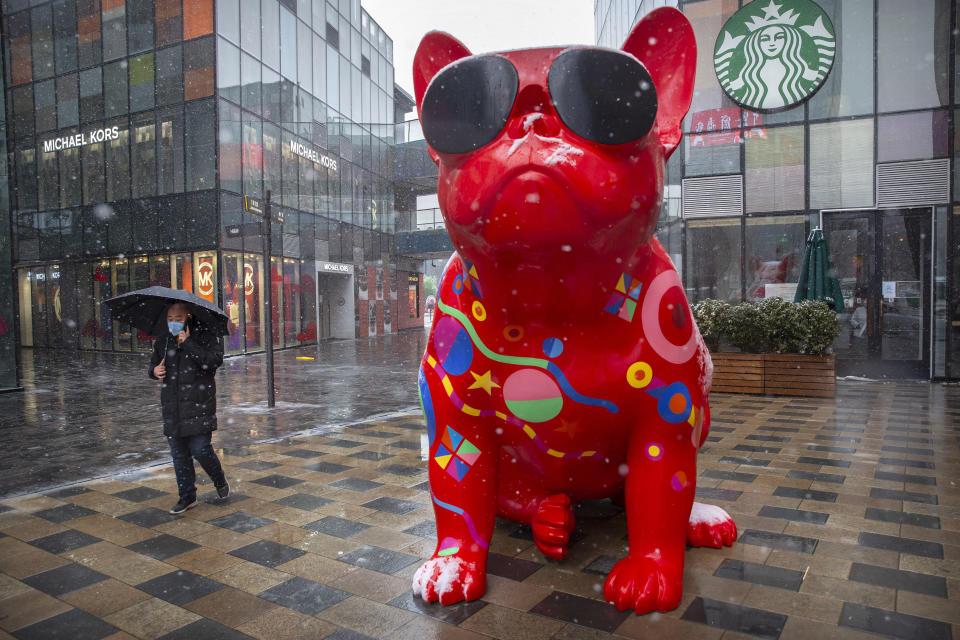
x=883, y=262
x=335, y=301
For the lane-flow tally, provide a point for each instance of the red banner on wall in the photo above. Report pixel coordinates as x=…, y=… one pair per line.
x=714, y=127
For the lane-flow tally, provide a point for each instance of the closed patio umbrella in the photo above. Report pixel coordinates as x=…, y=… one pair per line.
x=818, y=277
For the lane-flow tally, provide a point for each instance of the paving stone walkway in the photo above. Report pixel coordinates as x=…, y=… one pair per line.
x=848, y=511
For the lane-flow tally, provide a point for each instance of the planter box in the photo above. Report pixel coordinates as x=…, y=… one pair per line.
x=774, y=374
x=737, y=372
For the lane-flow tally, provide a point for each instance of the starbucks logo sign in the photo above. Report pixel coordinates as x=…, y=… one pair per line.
x=774, y=55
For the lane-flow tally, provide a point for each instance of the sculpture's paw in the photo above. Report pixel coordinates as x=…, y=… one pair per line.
x=644, y=585
x=710, y=526
x=552, y=525
x=450, y=580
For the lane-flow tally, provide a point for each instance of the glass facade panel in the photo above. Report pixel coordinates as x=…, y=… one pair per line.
x=775, y=170
x=200, y=146
x=252, y=157
x=139, y=25
x=91, y=95
x=115, y=89
x=141, y=82
x=49, y=192
x=250, y=77
x=774, y=255
x=170, y=151
x=45, y=101
x=70, y=183
x=88, y=33
x=197, y=18
x=228, y=20
x=65, y=35
x=198, y=65
x=68, y=101
x=848, y=90
x=270, y=16
x=228, y=71
x=713, y=260
x=169, y=76
x=229, y=152
x=114, y=22
x=94, y=175
x=913, y=40
x=41, y=26
x=169, y=22
x=841, y=164
x=250, y=27
x=288, y=45
x=118, y=165
x=912, y=136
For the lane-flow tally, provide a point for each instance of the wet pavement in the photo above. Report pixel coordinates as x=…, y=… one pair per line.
x=86, y=414
x=848, y=512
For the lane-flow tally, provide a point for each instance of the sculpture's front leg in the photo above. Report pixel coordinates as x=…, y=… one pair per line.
x=660, y=487
x=462, y=465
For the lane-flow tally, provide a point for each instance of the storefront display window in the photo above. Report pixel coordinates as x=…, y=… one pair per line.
x=253, y=301
x=713, y=260
x=774, y=255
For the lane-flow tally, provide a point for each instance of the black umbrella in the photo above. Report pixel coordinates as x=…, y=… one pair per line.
x=146, y=309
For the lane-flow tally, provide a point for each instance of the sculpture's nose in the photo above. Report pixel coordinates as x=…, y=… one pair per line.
x=532, y=111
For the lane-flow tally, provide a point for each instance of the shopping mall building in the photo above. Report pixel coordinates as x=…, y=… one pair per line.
x=133, y=131
x=869, y=157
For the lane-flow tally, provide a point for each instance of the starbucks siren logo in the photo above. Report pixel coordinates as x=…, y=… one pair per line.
x=775, y=56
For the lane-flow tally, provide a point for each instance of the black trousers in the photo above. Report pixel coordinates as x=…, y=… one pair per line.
x=187, y=449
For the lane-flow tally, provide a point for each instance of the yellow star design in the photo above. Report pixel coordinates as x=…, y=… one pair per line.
x=484, y=382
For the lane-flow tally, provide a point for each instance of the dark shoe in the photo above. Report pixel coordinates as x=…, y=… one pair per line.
x=184, y=504
x=224, y=491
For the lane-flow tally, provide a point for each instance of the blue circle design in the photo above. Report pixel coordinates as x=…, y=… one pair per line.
x=663, y=404
x=458, y=284
x=460, y=355
x=552, y=347
x=426, y=404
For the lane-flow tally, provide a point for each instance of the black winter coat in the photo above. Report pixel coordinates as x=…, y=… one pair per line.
x=188, y=394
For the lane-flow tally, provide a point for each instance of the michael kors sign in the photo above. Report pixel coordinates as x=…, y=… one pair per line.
x=81, y=139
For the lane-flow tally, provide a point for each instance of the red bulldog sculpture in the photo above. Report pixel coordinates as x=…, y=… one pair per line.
x=563, y=363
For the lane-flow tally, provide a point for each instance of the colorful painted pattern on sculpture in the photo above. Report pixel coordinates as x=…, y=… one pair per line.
x=448, y=547
x=468, y=520
x=674, y=403
x=482, y=413
x=623, y=300
x=455, y=454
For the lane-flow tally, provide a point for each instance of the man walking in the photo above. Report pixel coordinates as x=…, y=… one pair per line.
x=186, y=361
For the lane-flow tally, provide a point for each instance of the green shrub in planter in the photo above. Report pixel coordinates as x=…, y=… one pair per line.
x=711, y=319
x=782, y=326
x=818, y=326
x=745, y=328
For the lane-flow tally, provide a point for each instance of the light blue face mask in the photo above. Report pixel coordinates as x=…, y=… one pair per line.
x=175, y=327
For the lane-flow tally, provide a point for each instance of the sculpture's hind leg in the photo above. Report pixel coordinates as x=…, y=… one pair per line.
x=521, y=498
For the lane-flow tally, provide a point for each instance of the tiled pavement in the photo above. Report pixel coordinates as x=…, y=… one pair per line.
x=848, y=511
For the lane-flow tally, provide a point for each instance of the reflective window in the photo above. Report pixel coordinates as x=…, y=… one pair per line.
x=91, y=95
x=228, y=20
x=713, y=259
x=228, y=70
x=141, y=82
x=841, y=164
x=912, y=61
x=169, y=76
x=48, y=195
x=197, y=18
x=775, y=178
x=169, y=22
x=45, y=103
x=848, y=90
x=143, y=157
x=774, y=255
x=250, y=27
x=41, y=26
x=170, y=151
x=139, y=25
x=94, y=188
x=271, y=160
x=333, y=78
x=304, y=54
x=271, y=94
x=198, y=68
x=65, y=35
x=200, y=146
x=118, y=164
x=114, y=21
x=270, y=14
x=68, y=101
x=115, y=88
x=70, y=184
x=250, y=77
x=26, y=191
x=252, y=157
x=88, y=32
x=19, y=58
x=912, y=136
x=288, y=45
x=230, y=148
x=707, y=18
x=710, y=154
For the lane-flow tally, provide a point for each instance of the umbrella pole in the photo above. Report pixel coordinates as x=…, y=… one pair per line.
x=268, y=298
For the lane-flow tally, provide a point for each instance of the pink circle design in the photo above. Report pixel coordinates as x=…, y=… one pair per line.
x=676, y=354
x=679, y=481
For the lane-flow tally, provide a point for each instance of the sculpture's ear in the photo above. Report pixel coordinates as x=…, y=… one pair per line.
x=664, y=41
x=436, y=50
